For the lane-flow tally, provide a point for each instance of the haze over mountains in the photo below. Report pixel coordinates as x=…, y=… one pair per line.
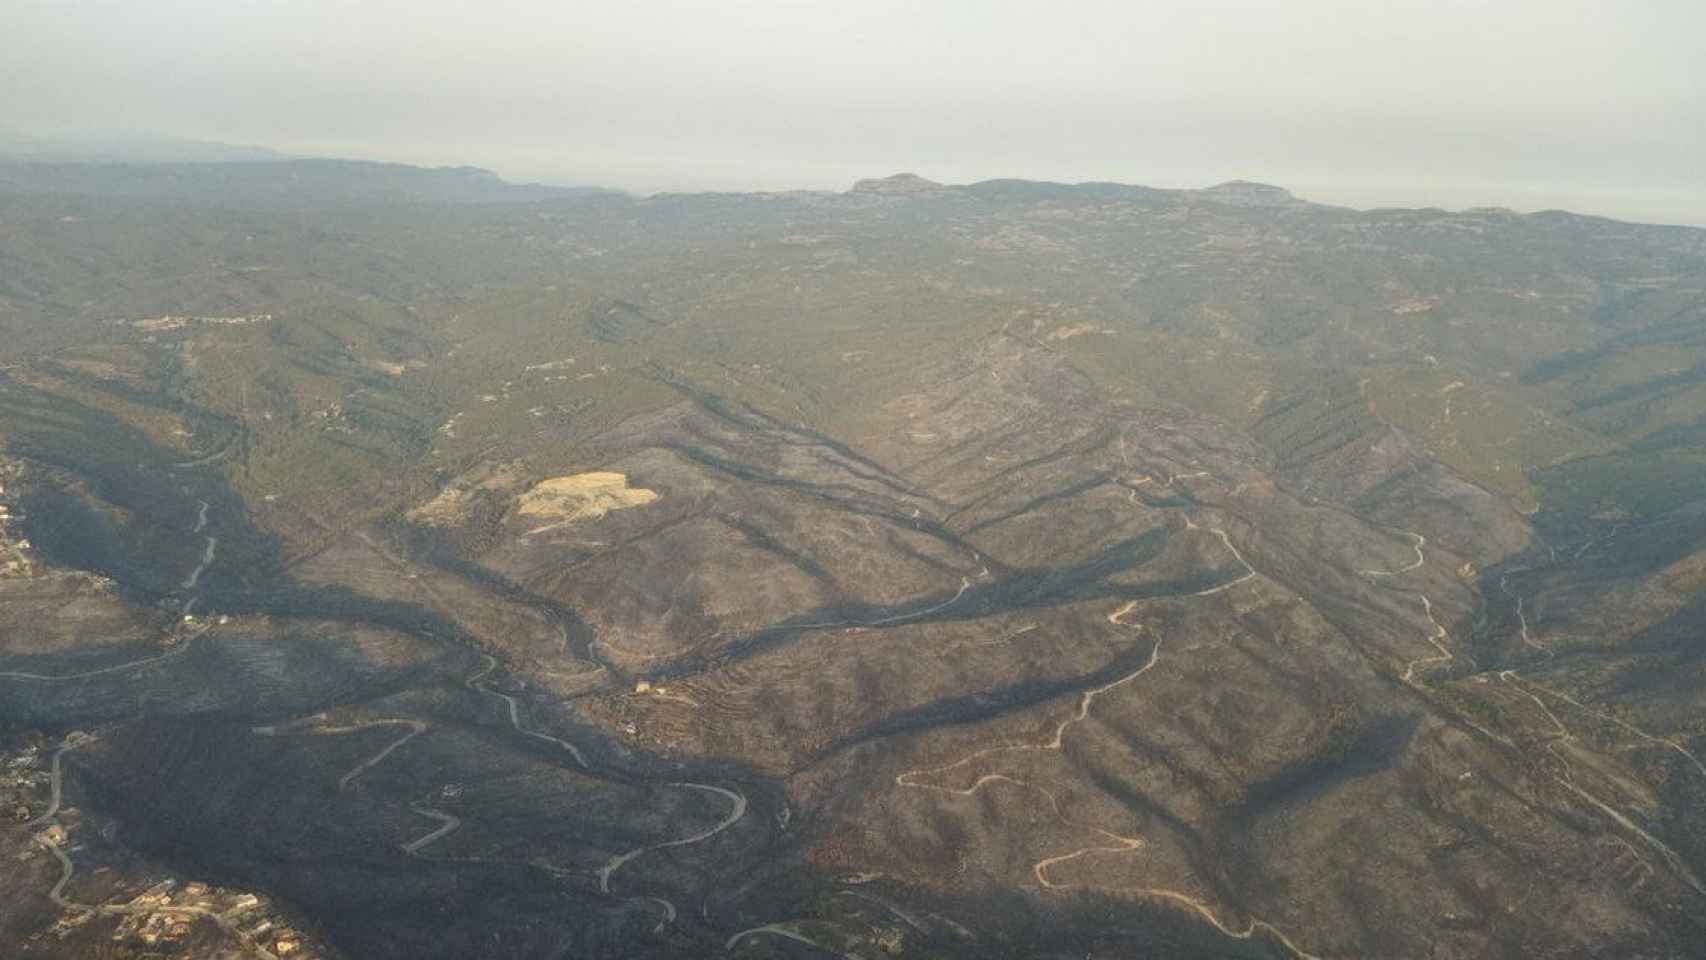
x=18, y=146
x=400, y=562
x=1348, y=181
x=1528, y=104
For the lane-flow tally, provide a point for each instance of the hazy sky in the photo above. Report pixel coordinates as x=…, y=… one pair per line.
x=1594, y=106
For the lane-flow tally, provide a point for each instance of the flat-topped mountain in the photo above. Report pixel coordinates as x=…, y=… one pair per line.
x=1247, y=193
x=900, y=184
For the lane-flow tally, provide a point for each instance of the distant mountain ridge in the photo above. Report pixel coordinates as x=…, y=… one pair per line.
x=122, y=149
x=284, y=182
x=250, y=177
x=1243, y=193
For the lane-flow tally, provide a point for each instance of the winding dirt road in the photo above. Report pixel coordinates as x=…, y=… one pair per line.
x=1088, y=697
x=1563, y=735
x=737, y=804
x=1121, y=844
x=1203, y=910
x=1522, y=617
x=225, y=921
x=416, y=728
x=1249, y=571
x=177, y=650
x=477, y=683
x=911, y=777
x=67, y=869
x=209, y=548
x=1420, y=542
x=55, y=786
x=448, y=823
x=1624, y=724
x=1439, y=634
x=737, y=809
x=965, y=584
x=780, y=930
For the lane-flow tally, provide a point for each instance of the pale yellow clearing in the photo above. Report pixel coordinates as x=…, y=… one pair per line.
x=581, y=496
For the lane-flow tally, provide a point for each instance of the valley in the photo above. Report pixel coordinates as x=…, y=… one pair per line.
x=1010, y=569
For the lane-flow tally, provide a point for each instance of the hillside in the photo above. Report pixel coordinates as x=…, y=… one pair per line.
x=1004, y=569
